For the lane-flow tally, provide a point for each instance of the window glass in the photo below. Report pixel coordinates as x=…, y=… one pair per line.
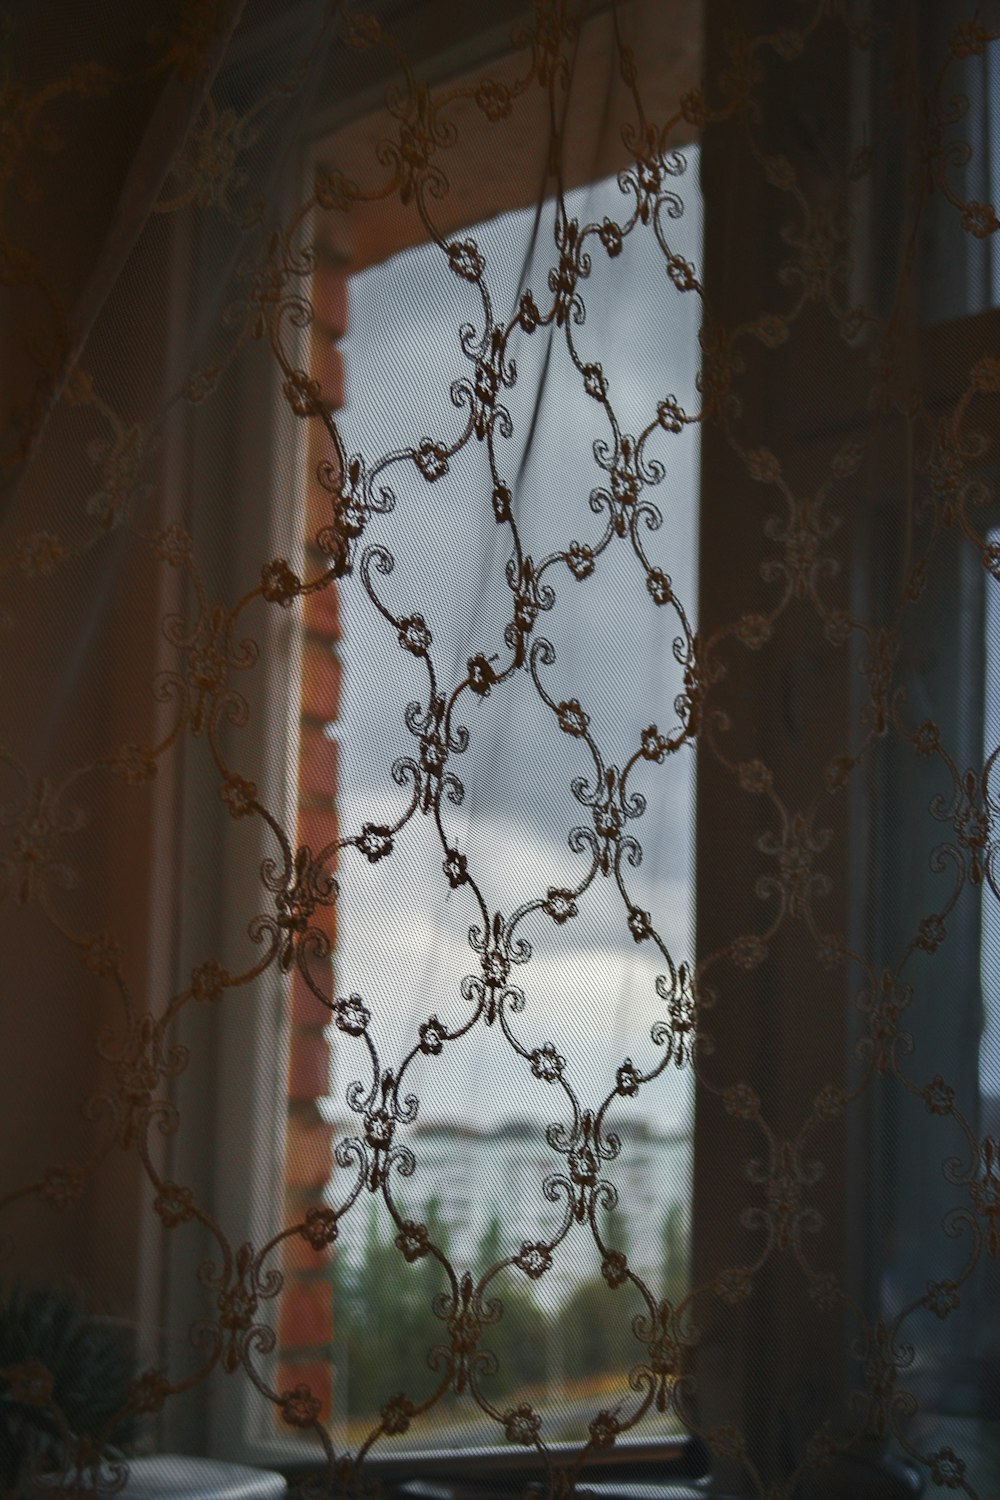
x=490, y=1119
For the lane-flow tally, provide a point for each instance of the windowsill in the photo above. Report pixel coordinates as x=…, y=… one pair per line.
x=644, y=1470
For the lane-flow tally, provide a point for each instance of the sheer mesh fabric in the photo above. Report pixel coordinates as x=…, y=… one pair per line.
x=498, y=796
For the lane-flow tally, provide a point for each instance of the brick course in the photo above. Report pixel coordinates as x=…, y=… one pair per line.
x=306, y=1316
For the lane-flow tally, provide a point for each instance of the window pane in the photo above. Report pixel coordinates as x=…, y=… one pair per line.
x=495, y=1114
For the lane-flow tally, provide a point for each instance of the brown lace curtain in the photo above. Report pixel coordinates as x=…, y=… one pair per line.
x=498, y=793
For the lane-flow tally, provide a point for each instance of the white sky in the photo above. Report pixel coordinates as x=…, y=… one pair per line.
x=403, y=934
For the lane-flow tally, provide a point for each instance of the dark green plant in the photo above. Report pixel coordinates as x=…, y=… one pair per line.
x=60, y=1368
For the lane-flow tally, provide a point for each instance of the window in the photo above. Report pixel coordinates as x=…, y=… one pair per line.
x=597, y=983
x=167, y=851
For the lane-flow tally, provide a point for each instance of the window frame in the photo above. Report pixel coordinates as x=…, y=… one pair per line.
x=244, y=1184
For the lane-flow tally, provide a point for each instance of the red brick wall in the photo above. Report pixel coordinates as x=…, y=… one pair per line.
x=306, y=1323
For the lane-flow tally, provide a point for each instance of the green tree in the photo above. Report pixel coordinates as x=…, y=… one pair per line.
x=518, y=1339
x=675, y=1255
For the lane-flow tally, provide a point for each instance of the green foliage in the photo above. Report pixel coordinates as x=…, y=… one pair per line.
x=384, y=1320
x=385, y=1323
x=675, y=1265
x=90, y=1364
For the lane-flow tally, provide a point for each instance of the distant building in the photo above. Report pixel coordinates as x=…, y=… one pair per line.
x=477, y=1182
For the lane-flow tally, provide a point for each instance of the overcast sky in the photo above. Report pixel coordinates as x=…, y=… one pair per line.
x=403, y=934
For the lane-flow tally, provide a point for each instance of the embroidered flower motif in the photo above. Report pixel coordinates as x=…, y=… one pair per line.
x=351, y=1015
x=580, y=560
x=947, y=1469
x=639, y=924
x=624, y=485
x=611, y=237
x=830, y=1102
x=754, y=631
x=670, y=415
x=432, y=1036
x=493, y=99
x=594, y=382
x=525, y=612
x=103, y=954
x=733, y=1285
x=748, y=951
x=985, y=1193
x=456, y=867
x=533, y=1259
x=547, y=1064
x=754, y=776
x=501, y=503
x=583, y=1166
x=681, y=273
x=608, y=821
x=653, y=744
x=830, y=951
x=559, y=905
x=319, y=1228
x=741, y=1101
x=495, y=968
x=239, y=795
x=208, y=980
x=604, y=1429
x=969, y=39
x=763, y=466
x=931, y=933
x=648, y=172
x=771, y=330
x=528, y=313
x=521, y=1424
x=433, y=756
x=174, y=545
x=927, y=738
x=572, y=719
x=942, y=1297
x=481, y=676
x=148, y=1392
x=278, y=583
x=396, y=1414
x=938, y=1096
x=414, y=635
x=174, y=1204
x=299, y=1407
x=379, y=1128
x=614, y=1268
x=302, y=393
x=693, y=107
x=487, y=383
x=375, y=842
x=412, y=1240
x=465, y=259
x=627, y=1079
x=659, y=586
x=431, y=459
x=136, y=763
x=980, y=219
